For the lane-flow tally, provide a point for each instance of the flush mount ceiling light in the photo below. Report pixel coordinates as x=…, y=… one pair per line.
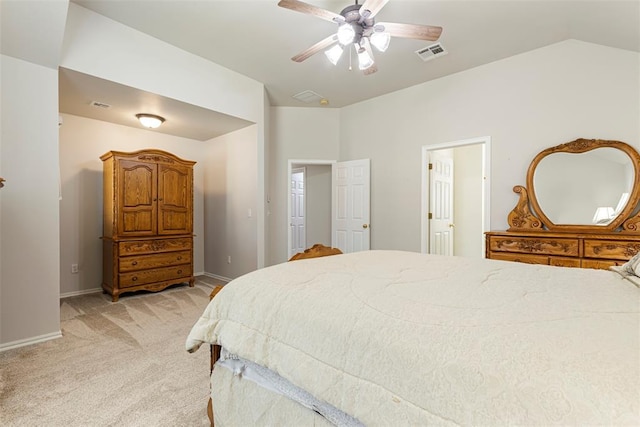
x=150, y=120
x=356, y=24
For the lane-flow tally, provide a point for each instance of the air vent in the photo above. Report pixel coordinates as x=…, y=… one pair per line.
x=308, y=96
x=431, y=52
x=99, y=104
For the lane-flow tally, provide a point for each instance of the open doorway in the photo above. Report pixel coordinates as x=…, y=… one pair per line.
x=310, y=206
x=455, y=220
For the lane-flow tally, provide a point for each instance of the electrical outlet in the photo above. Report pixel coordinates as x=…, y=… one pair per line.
x=74, y=268
x=229, y=259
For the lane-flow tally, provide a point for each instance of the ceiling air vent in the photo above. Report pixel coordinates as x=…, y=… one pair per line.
x=308, y=96
x=430, y=52
x=99, y=104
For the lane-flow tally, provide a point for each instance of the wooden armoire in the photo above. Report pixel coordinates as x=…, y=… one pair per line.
x=148, y=221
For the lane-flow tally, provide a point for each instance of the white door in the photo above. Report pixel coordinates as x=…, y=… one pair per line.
x=441, y=224
x=350, y=207
x=297, y=220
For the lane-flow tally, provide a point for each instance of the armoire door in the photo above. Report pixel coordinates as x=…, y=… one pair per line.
x=137, y=198
x=174, y=199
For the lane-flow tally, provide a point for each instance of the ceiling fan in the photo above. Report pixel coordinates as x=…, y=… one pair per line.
x=357, y=26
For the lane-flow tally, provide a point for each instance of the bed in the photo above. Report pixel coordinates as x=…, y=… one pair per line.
x=401, y=338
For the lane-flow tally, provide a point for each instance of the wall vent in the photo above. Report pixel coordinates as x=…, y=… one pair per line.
x=431, y=52
x=308, y=96
x=99, y=104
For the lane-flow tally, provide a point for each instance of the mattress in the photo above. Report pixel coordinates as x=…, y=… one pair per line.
x=399, y=338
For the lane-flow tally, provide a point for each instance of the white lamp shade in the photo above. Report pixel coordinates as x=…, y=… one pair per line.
x=380, y=40
x=364, y=59
x=150, y=120
x=603, y=215
x=346, y=33
x=334, y=54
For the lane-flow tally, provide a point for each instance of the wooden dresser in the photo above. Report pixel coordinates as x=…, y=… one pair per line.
x=562, y=249
x=147, y=222
x=534, y=238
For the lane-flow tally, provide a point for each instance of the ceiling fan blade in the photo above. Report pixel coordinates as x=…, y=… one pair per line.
x=412, y=31
x=309, y=9
x=321, y=45
x=372, y=6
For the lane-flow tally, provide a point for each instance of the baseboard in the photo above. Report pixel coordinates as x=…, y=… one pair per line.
x=30, y=341
x=215, y=276
x=83, y=292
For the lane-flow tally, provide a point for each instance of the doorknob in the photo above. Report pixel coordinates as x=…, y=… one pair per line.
x=452, y=225
x=365, y=225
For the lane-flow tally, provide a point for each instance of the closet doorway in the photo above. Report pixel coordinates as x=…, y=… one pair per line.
x=455, y=209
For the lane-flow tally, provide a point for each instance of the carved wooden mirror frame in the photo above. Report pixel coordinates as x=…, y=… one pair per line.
x=521, y=218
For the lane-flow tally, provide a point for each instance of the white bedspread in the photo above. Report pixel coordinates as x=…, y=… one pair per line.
x=399, y=338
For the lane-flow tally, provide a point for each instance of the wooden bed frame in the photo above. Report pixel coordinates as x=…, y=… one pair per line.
x=315, y=251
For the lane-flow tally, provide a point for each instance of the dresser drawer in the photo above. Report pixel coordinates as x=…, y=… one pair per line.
x=529, y=259
x=610, y=249
x=566, y=247
x=144, y=262
x=564, y=262
x=138, y=247
x=602, y=264
x=166, y=274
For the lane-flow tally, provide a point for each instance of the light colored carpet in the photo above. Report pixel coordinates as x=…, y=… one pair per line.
x=118, y=364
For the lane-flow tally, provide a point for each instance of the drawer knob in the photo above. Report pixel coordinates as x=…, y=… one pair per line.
x=133, y=279
x=134, y=263
x=179, y=271
x=179, y=258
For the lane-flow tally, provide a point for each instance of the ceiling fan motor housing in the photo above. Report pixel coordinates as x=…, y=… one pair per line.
x=361, y=25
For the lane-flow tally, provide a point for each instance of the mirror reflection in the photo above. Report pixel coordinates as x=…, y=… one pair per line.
x=584, y=188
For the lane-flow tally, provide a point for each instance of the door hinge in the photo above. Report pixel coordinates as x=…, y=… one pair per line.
x=430, y=215
x=430, y=166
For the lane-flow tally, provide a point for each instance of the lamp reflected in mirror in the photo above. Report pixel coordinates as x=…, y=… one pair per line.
x=603, y=215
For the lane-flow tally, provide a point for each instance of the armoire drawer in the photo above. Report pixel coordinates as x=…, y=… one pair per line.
x=144, y=262
x=139, y=247
x=166, y=274
x=563, y=247
x=610, y=249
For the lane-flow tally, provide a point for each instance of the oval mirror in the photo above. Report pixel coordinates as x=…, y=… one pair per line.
x=589, y=188
x=587, y=185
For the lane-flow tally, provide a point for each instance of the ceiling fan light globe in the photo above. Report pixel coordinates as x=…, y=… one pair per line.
x=364, y=60
x=346, y=33
x=334, y=54
x=380, y=40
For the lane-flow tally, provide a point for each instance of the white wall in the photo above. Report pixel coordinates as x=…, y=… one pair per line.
x=101, y=47
x=525, y=103
x=29, y=219
x=296, y=134
x=230, y=193
x=317, y=194
x=82, y=142
x=468, y=199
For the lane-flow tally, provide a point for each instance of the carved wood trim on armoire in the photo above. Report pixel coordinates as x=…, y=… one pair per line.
x=147, y=221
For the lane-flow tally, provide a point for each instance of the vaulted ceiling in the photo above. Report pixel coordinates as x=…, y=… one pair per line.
x=257, y=39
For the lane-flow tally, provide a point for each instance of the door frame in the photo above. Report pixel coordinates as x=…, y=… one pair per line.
x=303, y=170
x=485, y=141
x=301, y=163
